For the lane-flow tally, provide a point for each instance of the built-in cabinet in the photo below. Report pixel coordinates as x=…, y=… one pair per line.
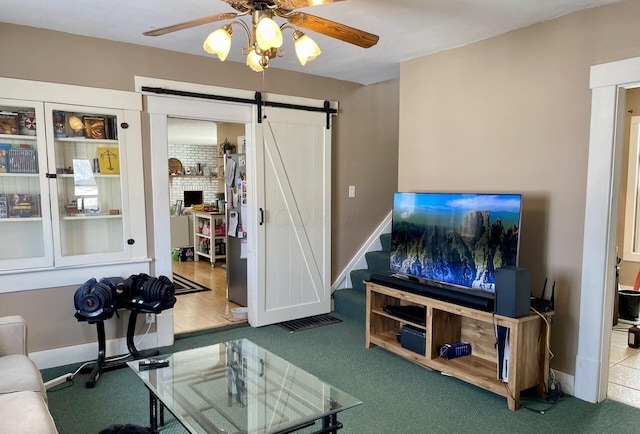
x=71, y=183
x=447, y=323
x=24, y=221
x=210, y=236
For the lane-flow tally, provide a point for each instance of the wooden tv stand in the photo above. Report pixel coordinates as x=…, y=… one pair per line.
x=450, y=323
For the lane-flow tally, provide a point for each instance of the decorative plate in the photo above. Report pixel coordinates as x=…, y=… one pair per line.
x=175, y=166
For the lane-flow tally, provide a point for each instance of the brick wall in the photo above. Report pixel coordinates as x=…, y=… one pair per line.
x=190, y=156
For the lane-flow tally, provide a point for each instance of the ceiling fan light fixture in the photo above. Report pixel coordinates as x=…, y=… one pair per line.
x=219, y=42
x=254, y=61
x=306, y=48
x=268, y=34
x=264, y=35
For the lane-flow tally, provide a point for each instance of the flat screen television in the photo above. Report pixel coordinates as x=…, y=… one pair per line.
x=455, y=240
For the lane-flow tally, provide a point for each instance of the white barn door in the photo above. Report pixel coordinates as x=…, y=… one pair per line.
x=293, y=227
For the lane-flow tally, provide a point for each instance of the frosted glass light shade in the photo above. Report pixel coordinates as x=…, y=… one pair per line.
x=268, y=34
x=306, y=48
x=253, y=61
x=219, y=42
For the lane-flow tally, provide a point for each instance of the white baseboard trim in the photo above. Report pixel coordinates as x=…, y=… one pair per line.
x=86, y=352
x=359, y=261
x=567, y=382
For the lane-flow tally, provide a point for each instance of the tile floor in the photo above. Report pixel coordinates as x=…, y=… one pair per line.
x=624, y=368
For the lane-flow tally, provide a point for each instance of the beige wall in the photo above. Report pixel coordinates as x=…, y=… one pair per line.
x=364, y=142
x=512, y=114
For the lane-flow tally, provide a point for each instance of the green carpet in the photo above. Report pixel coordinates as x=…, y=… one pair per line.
x=398, y=396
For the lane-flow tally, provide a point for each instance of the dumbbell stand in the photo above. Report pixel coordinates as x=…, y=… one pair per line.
x=103, y=365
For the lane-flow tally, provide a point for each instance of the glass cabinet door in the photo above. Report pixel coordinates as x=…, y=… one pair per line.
x=87, y=196
x=25, y=232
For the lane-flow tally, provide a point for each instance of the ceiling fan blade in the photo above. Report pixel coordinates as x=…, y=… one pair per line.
x=335, y=30
x=289, y=5
x=189, y=24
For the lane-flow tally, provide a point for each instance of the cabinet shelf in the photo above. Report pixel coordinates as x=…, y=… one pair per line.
x=95, y=175
x=17, y=137
x=210, y=246
x=212, y=177
x=22, y=175
x=85, y=139
x=91, y=217
x=20, y=219
x=400, y=320
x=450, y=323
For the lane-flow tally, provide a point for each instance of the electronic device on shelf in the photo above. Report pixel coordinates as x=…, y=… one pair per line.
x=412, y=313
x=542, y=304
x=475, y=299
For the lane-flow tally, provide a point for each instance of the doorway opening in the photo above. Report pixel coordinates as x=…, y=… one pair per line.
x=196, y=195
x=624, y=361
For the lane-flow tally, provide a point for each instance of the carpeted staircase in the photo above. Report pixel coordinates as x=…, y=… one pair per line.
x=352, y=301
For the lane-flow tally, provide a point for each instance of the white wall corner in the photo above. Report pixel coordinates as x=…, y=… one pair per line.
x=358, y=261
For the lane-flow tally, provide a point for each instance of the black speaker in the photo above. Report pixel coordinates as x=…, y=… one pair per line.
x=513, y=292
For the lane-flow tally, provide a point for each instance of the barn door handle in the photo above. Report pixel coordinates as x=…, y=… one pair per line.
x=261, y=216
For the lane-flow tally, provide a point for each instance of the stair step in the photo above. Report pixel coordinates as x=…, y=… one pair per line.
x=378, y=261
x=351, y=302
x=385, y=240
x=358, y=277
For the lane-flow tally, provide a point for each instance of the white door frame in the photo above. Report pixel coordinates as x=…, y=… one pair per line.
x=159, y=109
x=608, y=83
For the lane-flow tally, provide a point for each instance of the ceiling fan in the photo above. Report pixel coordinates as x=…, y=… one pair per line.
x=264, y=38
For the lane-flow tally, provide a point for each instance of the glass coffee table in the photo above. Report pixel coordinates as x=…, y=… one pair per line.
x=239, y=387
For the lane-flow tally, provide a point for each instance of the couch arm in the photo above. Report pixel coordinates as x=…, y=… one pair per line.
x=13, y=335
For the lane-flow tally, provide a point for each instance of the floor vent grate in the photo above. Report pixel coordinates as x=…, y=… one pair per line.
x=311, y=322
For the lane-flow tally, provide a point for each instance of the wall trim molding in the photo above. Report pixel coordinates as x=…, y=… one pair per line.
x=89, y=352
x=608, y=83
x=358, y=261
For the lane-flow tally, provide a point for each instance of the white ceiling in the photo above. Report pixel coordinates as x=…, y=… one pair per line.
x=407, y=28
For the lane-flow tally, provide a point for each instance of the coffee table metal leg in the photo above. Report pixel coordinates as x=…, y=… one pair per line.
x=330, y=424
x=161, y=414
x=153, y=411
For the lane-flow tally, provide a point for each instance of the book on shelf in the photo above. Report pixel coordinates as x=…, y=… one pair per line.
x=22, y=160
x=94, y=127
x=59, y=124
x=8, y=122
x=27, y=122
x=4, y=207
x=109, y=160
x=111, y=128
x=4, y=157
x=22, y=205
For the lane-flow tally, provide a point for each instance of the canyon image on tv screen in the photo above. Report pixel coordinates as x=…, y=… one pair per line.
x=455, y=239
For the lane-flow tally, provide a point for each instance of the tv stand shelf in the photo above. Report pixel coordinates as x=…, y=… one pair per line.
x=448, y=323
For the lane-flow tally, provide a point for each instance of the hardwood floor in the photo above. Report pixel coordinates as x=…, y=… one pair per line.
x=202, y=310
